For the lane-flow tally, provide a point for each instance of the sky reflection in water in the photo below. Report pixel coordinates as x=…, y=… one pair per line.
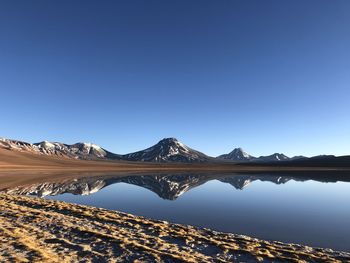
x=307, y=212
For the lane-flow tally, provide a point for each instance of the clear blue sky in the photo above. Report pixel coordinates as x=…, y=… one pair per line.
x=269, y=76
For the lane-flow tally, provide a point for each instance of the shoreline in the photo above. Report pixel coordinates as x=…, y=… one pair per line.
x=40, y=230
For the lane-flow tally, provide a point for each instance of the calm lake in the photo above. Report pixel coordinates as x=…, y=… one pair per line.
x=299, y=208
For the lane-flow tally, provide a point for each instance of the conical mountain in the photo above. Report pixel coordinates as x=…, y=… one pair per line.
x=276, y=157
x=238, y=154
x=168, y=150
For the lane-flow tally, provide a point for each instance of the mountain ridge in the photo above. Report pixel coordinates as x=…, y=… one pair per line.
x=239, y=155
x=166, y=150
x=78, y=150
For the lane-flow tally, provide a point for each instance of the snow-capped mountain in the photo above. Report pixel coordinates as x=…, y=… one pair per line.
x=76, y=151
x=237, y=155
x=168, y=150
x=276, y=157
x=17, y=145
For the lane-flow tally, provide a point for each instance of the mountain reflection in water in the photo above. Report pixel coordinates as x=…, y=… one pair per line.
x=166, y=186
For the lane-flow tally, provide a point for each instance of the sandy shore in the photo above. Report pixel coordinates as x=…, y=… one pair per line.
x=40, y=230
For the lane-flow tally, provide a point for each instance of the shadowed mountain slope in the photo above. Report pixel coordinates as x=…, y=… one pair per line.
x=168, y=150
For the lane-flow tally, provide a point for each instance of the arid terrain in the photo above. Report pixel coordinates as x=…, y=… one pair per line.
x=39, y=230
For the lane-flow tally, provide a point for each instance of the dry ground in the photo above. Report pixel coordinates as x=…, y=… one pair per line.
x=39, y=230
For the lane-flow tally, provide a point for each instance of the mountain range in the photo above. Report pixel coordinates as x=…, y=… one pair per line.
x=166, y=150
x=76, y=151
x=239, y=155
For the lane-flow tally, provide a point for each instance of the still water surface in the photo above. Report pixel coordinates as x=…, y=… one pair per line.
x=272, y=207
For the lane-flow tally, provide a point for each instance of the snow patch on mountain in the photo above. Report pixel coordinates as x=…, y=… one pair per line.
x=238, y=154
x=77, y=151
x=167, y=150
x=273, y=158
